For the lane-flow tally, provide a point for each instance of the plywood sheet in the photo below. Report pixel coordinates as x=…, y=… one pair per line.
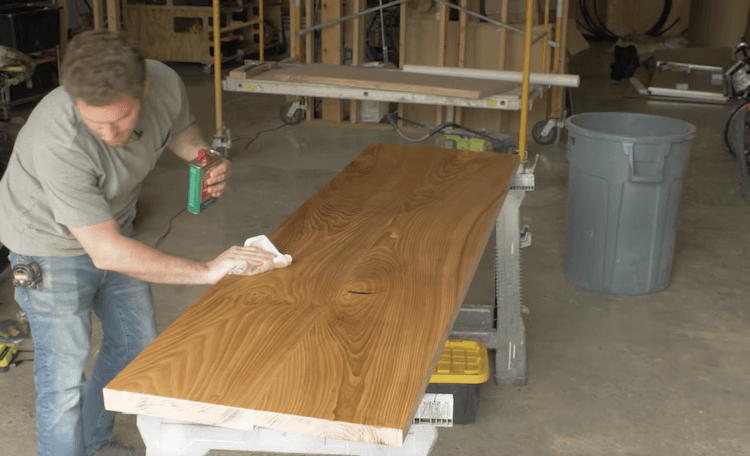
x=342, y=343
x=152, y=28
x=370, y=78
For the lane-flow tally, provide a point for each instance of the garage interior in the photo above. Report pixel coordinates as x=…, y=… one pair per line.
x=665, y=373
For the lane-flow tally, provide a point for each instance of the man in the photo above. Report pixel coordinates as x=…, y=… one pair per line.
x=68, y=200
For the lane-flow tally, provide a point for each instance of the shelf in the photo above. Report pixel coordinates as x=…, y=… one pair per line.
x=40, y=58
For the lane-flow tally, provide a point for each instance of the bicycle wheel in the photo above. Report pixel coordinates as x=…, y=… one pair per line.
x=737, y=139
x=738, y=113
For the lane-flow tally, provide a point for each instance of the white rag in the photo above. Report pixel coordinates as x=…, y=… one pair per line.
x=280, y=260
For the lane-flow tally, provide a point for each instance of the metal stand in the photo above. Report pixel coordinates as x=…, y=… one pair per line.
x=164, y=437
x=509, y=101
x=501, y=327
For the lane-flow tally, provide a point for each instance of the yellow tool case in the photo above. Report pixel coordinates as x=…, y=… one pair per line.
x=462, y=368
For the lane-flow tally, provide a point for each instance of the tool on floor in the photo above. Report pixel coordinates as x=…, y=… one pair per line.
x=200, y=168
x=15, y=331
x=7, y=355
x=264, y=243
x=27, y=274
x=465, y=142
x=459, y=137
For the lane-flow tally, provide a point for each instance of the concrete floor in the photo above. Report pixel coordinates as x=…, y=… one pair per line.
x=660, y=375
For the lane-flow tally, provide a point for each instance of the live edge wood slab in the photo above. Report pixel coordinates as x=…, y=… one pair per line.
x=342, y=343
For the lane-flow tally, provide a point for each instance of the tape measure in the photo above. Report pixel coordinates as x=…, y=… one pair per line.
x=27, y=275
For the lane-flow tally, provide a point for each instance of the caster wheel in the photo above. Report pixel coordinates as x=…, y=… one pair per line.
x=295, y=118
x=536, y=133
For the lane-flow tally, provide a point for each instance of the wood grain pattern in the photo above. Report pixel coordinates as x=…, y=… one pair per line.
x=342, y=343
x=391, y=80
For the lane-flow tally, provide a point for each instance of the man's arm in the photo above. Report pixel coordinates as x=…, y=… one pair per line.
x=110, y=250
x=188, y=142
x=186, y=145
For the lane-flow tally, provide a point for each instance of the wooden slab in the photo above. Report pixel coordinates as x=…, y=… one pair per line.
x=251, y=69
x=372, y=78
x=342, y=343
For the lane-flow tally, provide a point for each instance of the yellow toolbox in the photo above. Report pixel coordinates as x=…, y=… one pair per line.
x=463, y=366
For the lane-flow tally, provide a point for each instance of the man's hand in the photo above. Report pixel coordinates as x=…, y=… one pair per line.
x=245, y=260
x=187, y=144
x=217, y=178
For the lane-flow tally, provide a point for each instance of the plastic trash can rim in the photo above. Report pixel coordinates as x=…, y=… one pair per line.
x=689, y=134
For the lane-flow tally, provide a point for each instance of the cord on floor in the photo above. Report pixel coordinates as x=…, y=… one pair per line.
x=252, y=140
x=169, y=227
x=257, y=135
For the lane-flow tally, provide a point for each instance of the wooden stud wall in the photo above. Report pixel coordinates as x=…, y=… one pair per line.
x=63, y=26
x=309, y=50
x=358, y=51
x=113, y=15
x=331, y=38
x=425, y=40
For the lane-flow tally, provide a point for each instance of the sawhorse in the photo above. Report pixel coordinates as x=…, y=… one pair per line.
x=501, y=326
x=164, y=437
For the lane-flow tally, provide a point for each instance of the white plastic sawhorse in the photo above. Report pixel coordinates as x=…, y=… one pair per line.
x=164, y=437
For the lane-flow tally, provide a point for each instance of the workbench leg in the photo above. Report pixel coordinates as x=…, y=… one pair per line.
x=510, y=360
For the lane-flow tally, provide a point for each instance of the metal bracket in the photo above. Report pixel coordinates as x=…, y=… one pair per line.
x=525, y=237
x=524, y=179
x=222, y=143
x=552, y=123
x=295, y=106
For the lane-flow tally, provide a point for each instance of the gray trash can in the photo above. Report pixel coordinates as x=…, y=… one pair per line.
x=625, y=179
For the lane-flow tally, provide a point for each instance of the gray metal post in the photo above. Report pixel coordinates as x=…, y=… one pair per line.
x=501, y=327
x=510, y=362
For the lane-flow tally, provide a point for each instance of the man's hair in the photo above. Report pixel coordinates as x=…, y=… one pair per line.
x=102, y=66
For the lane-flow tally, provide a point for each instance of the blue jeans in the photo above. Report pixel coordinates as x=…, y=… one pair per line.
x=70, y=415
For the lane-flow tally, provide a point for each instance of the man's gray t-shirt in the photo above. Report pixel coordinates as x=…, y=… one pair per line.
x=62, y=174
